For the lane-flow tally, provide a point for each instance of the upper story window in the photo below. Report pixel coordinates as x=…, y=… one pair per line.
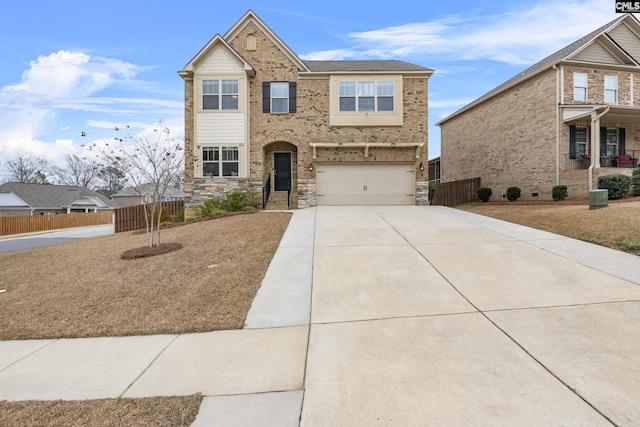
x=220, y=161
x=220, y=94
x=366, y=96
x=611, y=89
x=279, y=97
x=579, y=86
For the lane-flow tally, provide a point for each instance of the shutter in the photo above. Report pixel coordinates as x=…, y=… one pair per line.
x=572, y=142
x=292, y=97
x=266, y=97
x=603, y=142
x=588, y=147
x=621, y=142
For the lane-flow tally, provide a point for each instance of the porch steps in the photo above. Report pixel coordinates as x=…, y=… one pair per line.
x=277, y=201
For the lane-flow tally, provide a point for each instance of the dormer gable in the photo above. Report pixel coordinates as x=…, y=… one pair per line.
x=603, y=50
x=216, y=45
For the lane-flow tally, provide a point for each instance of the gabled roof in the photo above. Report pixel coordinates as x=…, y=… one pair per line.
x=568, y=53
x=146, y=188
x=46, y=196
x=365, y=66
x=215, y=41
x=251, y=17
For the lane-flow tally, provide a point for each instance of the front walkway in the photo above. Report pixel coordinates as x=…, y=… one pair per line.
x=388, y=315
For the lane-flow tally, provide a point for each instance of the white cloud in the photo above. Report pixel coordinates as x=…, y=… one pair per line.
x=517, y=37
x=67, y=81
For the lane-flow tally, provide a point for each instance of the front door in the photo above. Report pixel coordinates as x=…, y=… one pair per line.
x=282, y=171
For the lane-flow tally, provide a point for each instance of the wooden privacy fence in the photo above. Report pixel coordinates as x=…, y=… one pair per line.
x=29, y=224
x=132, y=217
x=456, y=192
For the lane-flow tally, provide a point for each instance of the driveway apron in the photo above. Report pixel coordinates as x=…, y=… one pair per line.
x=433, y=316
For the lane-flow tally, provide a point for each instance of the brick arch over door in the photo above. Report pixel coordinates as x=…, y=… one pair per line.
x=280, y=151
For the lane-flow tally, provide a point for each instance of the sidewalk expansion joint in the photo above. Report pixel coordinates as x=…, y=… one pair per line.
x=149, y=365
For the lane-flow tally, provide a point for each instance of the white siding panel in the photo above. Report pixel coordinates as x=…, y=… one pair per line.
x=219, y=61
x=220, y=128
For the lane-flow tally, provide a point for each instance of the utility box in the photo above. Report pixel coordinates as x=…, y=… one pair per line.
x=598, y=199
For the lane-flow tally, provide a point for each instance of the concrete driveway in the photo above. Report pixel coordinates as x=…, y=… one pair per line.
x=388, y=316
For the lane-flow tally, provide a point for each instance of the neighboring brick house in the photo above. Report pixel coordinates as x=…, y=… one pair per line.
x=566, y=120
x=332, y=132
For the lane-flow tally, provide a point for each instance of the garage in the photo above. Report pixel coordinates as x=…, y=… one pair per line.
x=340, y=184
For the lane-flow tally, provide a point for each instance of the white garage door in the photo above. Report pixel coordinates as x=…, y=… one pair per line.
x=365, y=184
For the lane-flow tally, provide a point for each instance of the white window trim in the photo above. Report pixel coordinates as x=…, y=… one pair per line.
x=286, y=97
x=219, y=149
x=610, y=90
x=357, y=96
x=584, y=88
x=365, y=118
x=220, y=94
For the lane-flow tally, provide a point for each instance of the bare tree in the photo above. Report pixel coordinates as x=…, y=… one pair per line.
x=78, y=172
x=112, y=180
x=26, y=167
x=151, y=157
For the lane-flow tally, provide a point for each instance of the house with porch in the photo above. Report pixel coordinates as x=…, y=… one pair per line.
x=258, y=118
x=567, y=120
x=25, y=199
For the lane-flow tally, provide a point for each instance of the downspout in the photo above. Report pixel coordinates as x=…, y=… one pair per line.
x=595, y=133
x=557, y=124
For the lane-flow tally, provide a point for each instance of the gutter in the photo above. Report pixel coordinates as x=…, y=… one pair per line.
x=595, y=119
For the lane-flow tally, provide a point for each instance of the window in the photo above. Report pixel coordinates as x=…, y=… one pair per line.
x=279, y=97
x=366, y=96
x=220, y=159
x=220, y=94
x=611, y=89
x=579, y=86
x=611, y=142
x=581, y=140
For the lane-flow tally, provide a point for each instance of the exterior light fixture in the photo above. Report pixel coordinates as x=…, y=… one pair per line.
x=310, y=166
x=421, y=166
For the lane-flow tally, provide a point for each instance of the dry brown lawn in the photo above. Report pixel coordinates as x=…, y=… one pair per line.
x=84, y=289
x=616, y=226
x=156, y=411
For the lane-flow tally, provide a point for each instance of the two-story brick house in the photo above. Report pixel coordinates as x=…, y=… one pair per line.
x=331, y=132
x=566, y=120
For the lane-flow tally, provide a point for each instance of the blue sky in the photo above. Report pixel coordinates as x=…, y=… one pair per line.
x=70, y=66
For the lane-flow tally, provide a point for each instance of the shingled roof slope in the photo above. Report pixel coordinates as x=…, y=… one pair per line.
x=365, y=66
x=45, y=196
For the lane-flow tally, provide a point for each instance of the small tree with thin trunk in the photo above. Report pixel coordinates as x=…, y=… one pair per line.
x=150, y=161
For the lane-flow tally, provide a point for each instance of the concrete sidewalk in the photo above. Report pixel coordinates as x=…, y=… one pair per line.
x=394, y=315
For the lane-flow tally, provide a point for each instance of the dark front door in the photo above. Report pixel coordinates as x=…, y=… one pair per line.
x=282, y=173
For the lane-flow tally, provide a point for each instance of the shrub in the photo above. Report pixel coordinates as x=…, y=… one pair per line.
x=513, y=193
x=433, y=188
x=635, y=181
x=236, y=201
x=211, y=207
x=617, y=184
x=484, y=193
x=560, y=192
x=233, y=202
